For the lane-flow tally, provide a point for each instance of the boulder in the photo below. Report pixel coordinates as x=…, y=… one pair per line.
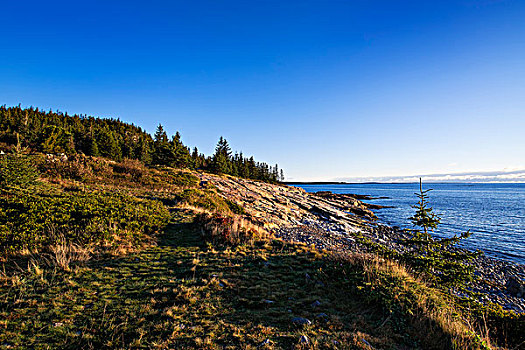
x=515, y=286
x=304, y=339
x=301, y=321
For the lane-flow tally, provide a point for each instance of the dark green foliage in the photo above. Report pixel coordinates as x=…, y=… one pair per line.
x=170, y=152
x=223, y=162
x=108, y=146
x=17, y=170
x=424, y=216
x=221, y=158
x=32, y=219
x=57, y=133
x=57, y=140
x=440, y=258
x=162, y=152
x=182, y=158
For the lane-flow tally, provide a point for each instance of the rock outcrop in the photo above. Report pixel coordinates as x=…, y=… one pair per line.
x=340, y=222
x=280, y=206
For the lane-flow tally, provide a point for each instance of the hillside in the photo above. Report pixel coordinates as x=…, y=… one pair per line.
x=117, y=255
x=55, y=132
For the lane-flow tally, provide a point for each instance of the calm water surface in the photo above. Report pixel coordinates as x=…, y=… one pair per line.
x=494, y=213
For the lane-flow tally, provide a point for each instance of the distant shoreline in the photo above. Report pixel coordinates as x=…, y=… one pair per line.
x=395, y=183
x=331, y=183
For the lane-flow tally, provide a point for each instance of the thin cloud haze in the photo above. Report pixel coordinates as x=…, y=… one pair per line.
x=516, y=176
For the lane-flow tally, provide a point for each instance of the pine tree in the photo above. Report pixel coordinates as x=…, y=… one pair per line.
x=425, y=219
x=17, y=169
x=221, y=158
x=160, y=135
x=162, y=151
x=108, y=145
x=144, y=151
x=93, y=148
x=91, y=143
x=440, y=258
x=195, y=158
x=181, y=153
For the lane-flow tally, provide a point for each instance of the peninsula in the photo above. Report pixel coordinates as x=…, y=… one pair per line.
x=168, y=250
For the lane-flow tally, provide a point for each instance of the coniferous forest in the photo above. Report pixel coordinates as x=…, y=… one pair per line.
x=56, y=132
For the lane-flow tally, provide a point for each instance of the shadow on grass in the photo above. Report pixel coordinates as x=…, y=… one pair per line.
x=184, y=293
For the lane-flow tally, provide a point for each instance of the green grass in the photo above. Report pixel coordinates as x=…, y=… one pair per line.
x=185, y=293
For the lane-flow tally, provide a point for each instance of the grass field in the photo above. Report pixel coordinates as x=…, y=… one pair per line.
x=186, y=293
x=120, y=278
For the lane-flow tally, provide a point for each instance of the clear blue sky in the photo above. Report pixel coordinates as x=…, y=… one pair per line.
x=327, y=89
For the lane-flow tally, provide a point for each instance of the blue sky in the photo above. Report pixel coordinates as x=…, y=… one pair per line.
x=326, y=89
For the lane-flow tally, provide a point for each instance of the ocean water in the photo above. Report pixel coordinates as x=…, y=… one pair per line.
x=493, y=212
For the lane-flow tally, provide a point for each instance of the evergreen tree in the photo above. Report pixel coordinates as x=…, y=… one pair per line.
x=108, y=146
x=196, y=160
x=181, y=153
x=440, y=258
x=221, y=158
x=144, y=151
x=93, y=147
x=424, y=218
x=57, y=132
x=162, y=150
x=17, y=169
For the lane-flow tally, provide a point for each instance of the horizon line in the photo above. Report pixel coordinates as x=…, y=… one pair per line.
x=505, y=176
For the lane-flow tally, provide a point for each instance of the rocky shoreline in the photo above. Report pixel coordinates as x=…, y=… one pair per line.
x=338, y=222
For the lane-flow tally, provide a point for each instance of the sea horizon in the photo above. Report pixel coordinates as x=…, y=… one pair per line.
x=493, y=212
x=403, y=183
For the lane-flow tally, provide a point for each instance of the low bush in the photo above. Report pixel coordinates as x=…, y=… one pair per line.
x=408, y=303
x=76, y=167
x=28, y=219
x=230, y=230
x=132, y=167
x=235, y=208
x=205, y=199
x=179, y=178
x=17, y=169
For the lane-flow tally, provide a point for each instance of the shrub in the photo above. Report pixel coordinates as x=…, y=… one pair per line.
x=205, y=199
x=75, y=167
x=230, y=230
x=133, y=167
x=17, y=169
x=235, y=208
x=179, y=178
x=29, y=220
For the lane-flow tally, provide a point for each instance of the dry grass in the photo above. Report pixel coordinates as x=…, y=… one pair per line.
x=184, y=293
x=63, y=255
x=434, y=318
x=232, y=229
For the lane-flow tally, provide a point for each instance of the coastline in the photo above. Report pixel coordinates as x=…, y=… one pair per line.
x=493, y=213
x=342, y=223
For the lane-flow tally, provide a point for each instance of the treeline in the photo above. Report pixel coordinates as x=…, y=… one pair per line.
x=57, y=132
